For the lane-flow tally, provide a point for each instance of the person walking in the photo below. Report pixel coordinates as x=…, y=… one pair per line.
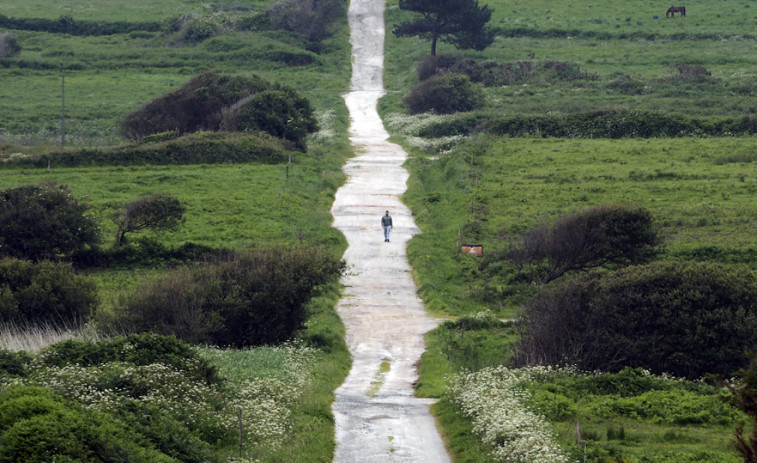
x=386, y=222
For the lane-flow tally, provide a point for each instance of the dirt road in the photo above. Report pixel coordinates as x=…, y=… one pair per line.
x=377, y=417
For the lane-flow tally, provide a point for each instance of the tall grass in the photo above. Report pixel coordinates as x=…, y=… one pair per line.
x=33, y=338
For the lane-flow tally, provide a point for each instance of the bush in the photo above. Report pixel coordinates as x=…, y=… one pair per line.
x=134, y=349
x=683, y=318
x=600, y=236
x=444, y=94
x=13, y=363
x=156, y=212
x=197, y=105
x=43, y=222
x=251, y=299
x=37, y=425
x=8, y=45
x=44, y=293
x=281, y=113
x=214, y=102
x=312, y=19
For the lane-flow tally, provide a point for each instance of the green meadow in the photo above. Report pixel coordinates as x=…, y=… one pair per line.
x=477, y=188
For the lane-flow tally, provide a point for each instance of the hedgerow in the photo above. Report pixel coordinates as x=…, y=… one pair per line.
x=67, y=25
x=195, y=148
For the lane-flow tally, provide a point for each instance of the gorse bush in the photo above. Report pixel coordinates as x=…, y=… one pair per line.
x=247, y=299
x=281, y=113
x=44, y=221
x=211, y=101
x=44, y=293
x=37, y=425
x=66, y=24
x=683, y=318
x=600, y=236
x=444, y=94
x=312, y=19
x=491, y=74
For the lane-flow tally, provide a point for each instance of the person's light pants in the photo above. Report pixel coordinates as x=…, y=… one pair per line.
x=387, y=229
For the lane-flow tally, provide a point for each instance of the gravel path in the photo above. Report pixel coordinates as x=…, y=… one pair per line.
x=377, y=417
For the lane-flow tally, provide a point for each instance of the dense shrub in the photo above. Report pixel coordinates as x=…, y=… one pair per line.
x=37, y=425
x=43, y=293
x=9, y=46
x=144, y=252
x=281, y=113
x=688, y=319
x=156, y=212
x=134, y=349
x=212, y=101
x=621, y=124
x=492, y=74
x=66, y=24
x=43, y=221
x=444, y=94
x=250, y=299
x=196, y=148
x=13, y=363
x=312, y=19
x=596, y=237
x=197, y=105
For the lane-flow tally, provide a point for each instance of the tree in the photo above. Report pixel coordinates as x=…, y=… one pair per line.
x=8, y=45
x=156, y=212
x=45, y=221
x=459, y=22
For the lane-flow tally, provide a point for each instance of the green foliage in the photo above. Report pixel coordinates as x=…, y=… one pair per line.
x=157, y=212
x=134, y=349
x=195, y=148
x=44, y=292
x=67, y=25
x=687, y=319
x=39, y=426
x=281, y=113
x=249, y=299
x=43, y=221
x=596, y=237
x=312, y=19
x=212, y=101
x=444, y=94
x=459, y=22
x=621, y=124
x=13, y=363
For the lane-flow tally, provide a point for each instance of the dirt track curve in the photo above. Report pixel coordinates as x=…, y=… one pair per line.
x=377, y=417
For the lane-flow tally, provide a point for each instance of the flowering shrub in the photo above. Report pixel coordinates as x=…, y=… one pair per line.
x=169, y=405
x=494, y=400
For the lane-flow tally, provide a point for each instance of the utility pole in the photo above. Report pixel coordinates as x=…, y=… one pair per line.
x=62, y=107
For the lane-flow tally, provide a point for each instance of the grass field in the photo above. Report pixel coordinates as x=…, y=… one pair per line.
x=483, y=188
x=487, y=190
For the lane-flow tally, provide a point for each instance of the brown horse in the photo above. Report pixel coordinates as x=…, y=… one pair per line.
x=676, y=9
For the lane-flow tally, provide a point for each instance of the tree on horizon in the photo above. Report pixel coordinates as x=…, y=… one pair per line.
x=462, y=23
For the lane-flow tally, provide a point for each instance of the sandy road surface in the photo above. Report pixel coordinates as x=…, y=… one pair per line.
x=377, y=417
